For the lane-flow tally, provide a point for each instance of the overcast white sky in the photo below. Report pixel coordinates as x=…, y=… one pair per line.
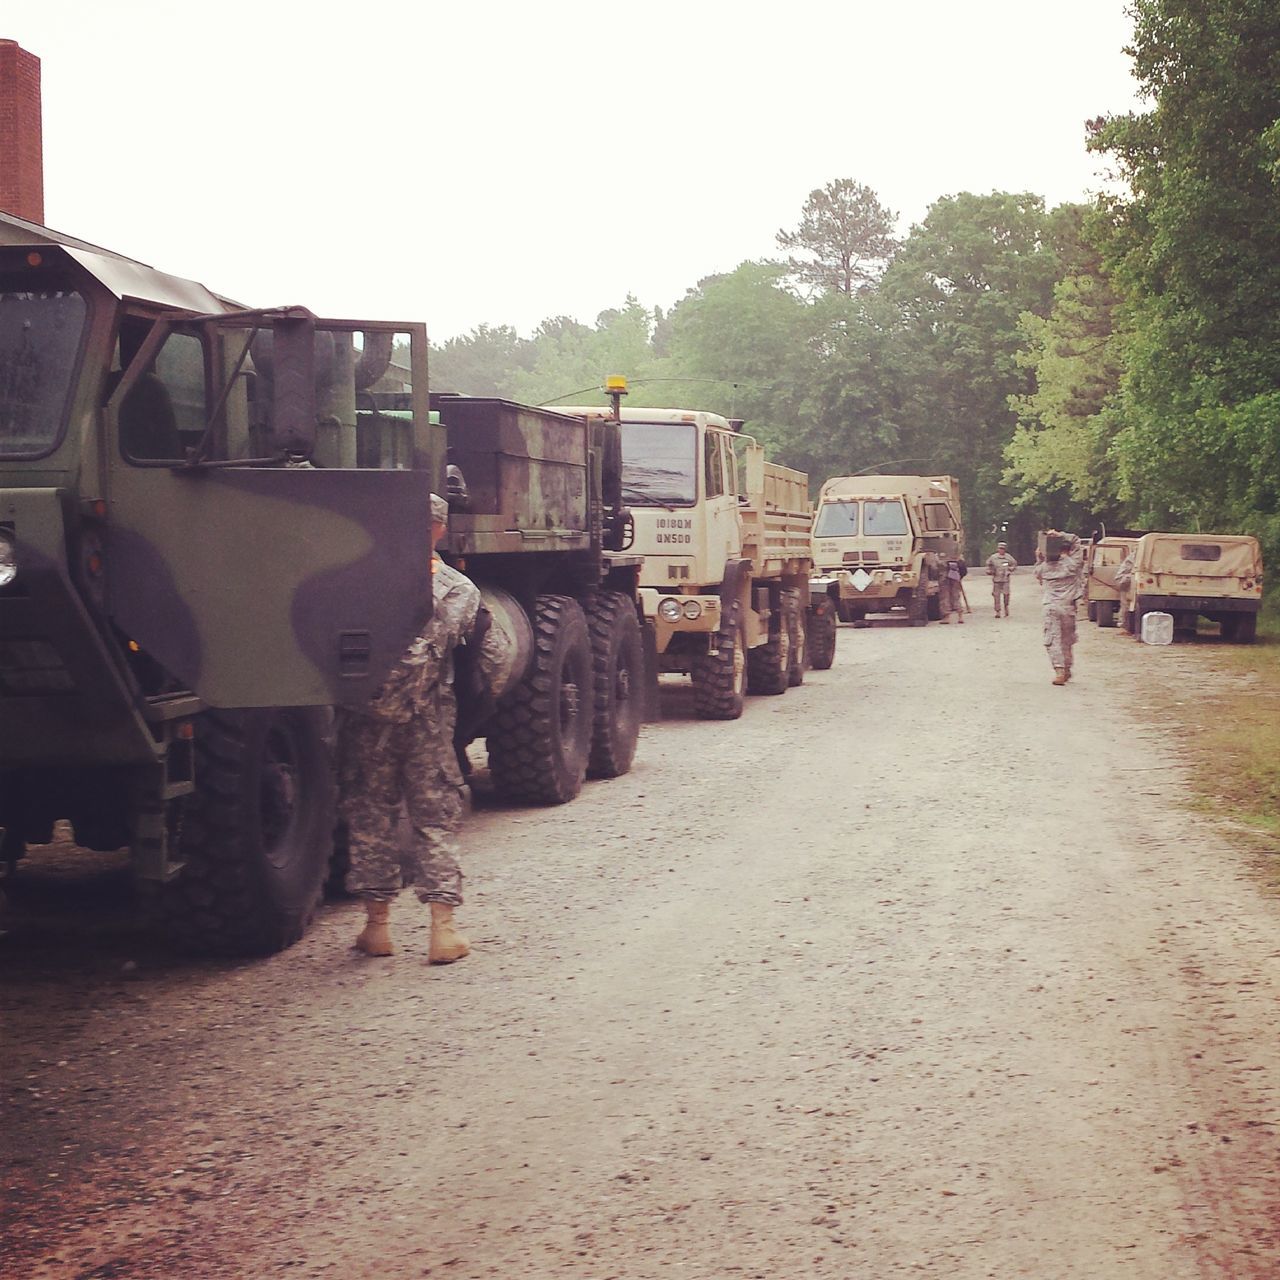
x=475, y=162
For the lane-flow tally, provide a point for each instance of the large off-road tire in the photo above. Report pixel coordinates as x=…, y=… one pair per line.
x=769, y=664
x=821, y=641
x=1106, y=612
x=1091, y=610
x=793, y=616
x=921, y=607
x=255, y=837
x=720, y=679
x=617, y=655
x=539, y=738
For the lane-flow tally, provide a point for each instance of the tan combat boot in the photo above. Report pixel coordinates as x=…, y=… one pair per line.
x=375, y=937
x=447, y=944
x=1059, y=675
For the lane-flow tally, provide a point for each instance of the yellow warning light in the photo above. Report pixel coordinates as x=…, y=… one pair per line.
x=134, y=647
x=616, y=382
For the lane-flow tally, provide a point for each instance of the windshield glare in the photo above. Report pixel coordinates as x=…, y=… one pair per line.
x=836, y=520
x=883, y=518
x=39, y=339
x=659, y=463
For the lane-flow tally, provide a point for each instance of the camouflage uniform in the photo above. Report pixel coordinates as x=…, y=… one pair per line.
x=1061, y=583
x=1001, y=566
x=399, y=749
x=951, y=590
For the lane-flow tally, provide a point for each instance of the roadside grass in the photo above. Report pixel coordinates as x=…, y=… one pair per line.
x=1234, y=731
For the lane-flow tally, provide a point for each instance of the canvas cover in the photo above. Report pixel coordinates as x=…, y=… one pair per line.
x=1188, y=555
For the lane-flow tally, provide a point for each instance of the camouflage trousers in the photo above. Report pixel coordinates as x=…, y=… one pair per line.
x=950, y=600
x=383, y=767
x=1060, y=633
x=999, y=593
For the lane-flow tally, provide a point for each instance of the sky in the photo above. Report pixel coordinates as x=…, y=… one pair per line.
x=501, y=163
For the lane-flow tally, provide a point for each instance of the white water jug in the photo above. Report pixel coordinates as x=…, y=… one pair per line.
x=1157, y=628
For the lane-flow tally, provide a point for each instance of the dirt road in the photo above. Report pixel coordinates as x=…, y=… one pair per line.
x=919, y=970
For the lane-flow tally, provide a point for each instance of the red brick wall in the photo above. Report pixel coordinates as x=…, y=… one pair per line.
x=21, y=145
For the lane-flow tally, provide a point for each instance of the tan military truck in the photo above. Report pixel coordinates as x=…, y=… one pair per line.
x=725, y=540
x=879, y=543
x=1102, y=595
x=1191, y=575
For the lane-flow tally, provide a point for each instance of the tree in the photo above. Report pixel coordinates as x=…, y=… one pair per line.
x=485, y=362
x=1068, y=420
x=1196, y=252
x=961, y=282
x=844, y=238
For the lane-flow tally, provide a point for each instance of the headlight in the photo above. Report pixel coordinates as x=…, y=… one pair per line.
x=669, y=610
x=897, y=577
x=692, y=609
x=8, y=558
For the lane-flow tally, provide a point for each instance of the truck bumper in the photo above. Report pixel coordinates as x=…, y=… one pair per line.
x=864, y=585
x=706, y=619
x=1207, y=605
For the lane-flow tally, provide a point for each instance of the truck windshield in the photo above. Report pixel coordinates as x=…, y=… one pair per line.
x=883, y=518
x=836, y=520
x=659, y=463
x=40, y=332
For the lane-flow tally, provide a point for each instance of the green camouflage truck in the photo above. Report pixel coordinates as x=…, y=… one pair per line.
x=537, y=521
x=203, y=551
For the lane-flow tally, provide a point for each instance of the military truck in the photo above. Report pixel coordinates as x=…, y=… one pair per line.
x=1102, y=596
x=724, y=536
x=537, y=520
x=879, y=543
x=1192, y=575
x=195, y=568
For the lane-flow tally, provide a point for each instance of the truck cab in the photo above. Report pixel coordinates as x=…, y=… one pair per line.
x=879, y=542
x=724, y=536
x=194, y=571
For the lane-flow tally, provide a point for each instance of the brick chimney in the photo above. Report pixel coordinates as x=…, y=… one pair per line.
x=21, y=143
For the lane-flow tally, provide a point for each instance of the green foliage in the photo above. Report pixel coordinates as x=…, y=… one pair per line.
x=1195, y=250
x=844, y=238
x=961, y=283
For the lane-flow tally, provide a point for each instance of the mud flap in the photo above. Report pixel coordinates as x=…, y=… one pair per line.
x=652, y=699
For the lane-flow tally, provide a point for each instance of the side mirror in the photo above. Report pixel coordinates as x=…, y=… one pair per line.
x=293, y=405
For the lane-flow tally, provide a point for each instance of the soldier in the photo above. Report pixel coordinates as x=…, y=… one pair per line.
x=1000, y=567
x=951, y=589
x=1059, y=575
x=399, y=749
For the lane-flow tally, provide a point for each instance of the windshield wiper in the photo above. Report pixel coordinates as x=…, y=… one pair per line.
x=635, y=494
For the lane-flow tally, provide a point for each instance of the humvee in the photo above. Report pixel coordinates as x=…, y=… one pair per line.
x=1192, y=575
x=1101, y=593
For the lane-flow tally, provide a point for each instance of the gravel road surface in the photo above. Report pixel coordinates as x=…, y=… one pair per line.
x=923, y=969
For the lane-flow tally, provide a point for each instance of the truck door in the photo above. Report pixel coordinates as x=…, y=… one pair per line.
x=721, y=485
x=253, y=577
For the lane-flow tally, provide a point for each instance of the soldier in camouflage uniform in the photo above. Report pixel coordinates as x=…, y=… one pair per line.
x=951, y=589
x=399, y=750
x=1061, y=580
x=1001, y=566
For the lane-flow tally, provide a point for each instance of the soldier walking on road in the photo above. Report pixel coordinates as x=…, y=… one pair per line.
x=399, y=751
x=1001, y=566
x=1059, y=575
